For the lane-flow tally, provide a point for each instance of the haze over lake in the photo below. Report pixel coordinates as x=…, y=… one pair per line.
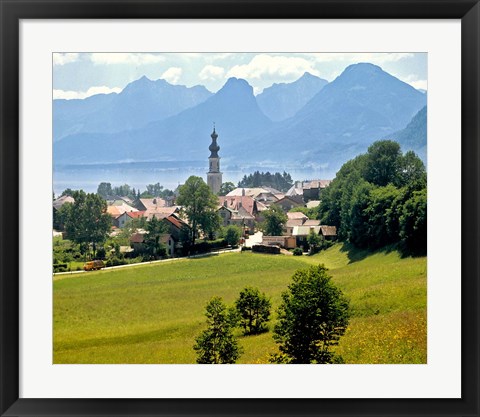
x=168, y=174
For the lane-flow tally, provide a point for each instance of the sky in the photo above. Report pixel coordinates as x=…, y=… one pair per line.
x=80, y=75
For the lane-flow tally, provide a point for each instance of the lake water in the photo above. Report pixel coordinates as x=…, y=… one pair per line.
x=168, y=174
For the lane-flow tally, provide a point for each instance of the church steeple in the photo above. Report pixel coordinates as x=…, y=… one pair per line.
x=214, y=176
x=214, y=148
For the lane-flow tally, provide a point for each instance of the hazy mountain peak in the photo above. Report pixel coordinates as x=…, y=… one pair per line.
x=236, y=85
x=281, y=101
x=364, y=67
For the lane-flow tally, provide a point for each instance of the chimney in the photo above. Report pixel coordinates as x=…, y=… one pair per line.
x=243, y=192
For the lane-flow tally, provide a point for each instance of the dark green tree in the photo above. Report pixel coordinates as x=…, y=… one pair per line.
x=411, y=171
x=226, y=188
x=314, y=241
x=413, y=224
x=199, y=205
x=155, y=228
x=104, y=189
x=253, y=309
x=383, y=163
x=217, y=344
x=232, y=235
x=86, y=220
x=314, y=314
x=275, y=219
x=68, y=192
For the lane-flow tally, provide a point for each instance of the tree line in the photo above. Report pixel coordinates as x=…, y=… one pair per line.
x=106, y=191
x=279, y=181
x=379, y=198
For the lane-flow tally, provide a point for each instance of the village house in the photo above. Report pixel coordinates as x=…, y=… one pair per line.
x=266, y=195
x=310, y=190
x=294, y=219
x=174, y=224
x=137, y=242
x=127, y=216
x=118, y=207
x=287, y=203
x=60, y=201
x=238, y=217
x=301, y=234
x=239, y=210
x=328, y=232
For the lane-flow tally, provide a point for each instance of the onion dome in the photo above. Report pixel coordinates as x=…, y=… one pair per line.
x=214, y=148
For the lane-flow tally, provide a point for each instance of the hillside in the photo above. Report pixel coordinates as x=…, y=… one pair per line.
x=414, y=136
x=152, y=313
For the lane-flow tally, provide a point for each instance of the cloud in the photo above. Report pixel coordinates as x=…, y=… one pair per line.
x=265, y=66
x=172, y=75
x=211, y=72
x=413, y=80
x=70, y=95
x=419, y=84
x=375, y=58
x=64, y=58
x=125, y=58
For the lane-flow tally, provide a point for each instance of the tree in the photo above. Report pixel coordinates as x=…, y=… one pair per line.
x=232, y=235
x=104, y=189
x=253, y=309
x=314, y=241
x=226, y=188
x=199, y=205
x=217, y=343
x=68, y=192
x=313, y=316
x=413, y=224
x=155, y=228
x=412, y=171
x=383, y=162
x=275, y=218
x=86, y=220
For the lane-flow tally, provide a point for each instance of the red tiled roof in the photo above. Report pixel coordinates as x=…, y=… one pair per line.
x=135, y=214
x=235, y=202
x=178, y=223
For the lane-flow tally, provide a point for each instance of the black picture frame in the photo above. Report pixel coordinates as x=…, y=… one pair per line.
x=12, y=11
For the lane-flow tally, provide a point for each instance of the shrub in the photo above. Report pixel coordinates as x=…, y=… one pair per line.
x=232, y=235
x=297, y=252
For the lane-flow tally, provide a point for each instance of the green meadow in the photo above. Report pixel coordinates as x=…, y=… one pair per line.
x=152, y=313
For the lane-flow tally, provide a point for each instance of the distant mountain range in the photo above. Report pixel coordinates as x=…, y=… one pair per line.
x=140, y=102
x=281, y=101
x=305, y=122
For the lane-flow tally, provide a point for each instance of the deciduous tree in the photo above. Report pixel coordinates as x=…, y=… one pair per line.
x=253, y=309
x=217, y=344
x=313, y=316
x=199, y=205
x=275, y=218
x=86, y=220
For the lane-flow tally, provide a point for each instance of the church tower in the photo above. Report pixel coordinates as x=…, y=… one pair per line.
x=214, y=176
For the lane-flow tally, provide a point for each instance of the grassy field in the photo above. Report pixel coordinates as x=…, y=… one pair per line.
x=152, y=313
